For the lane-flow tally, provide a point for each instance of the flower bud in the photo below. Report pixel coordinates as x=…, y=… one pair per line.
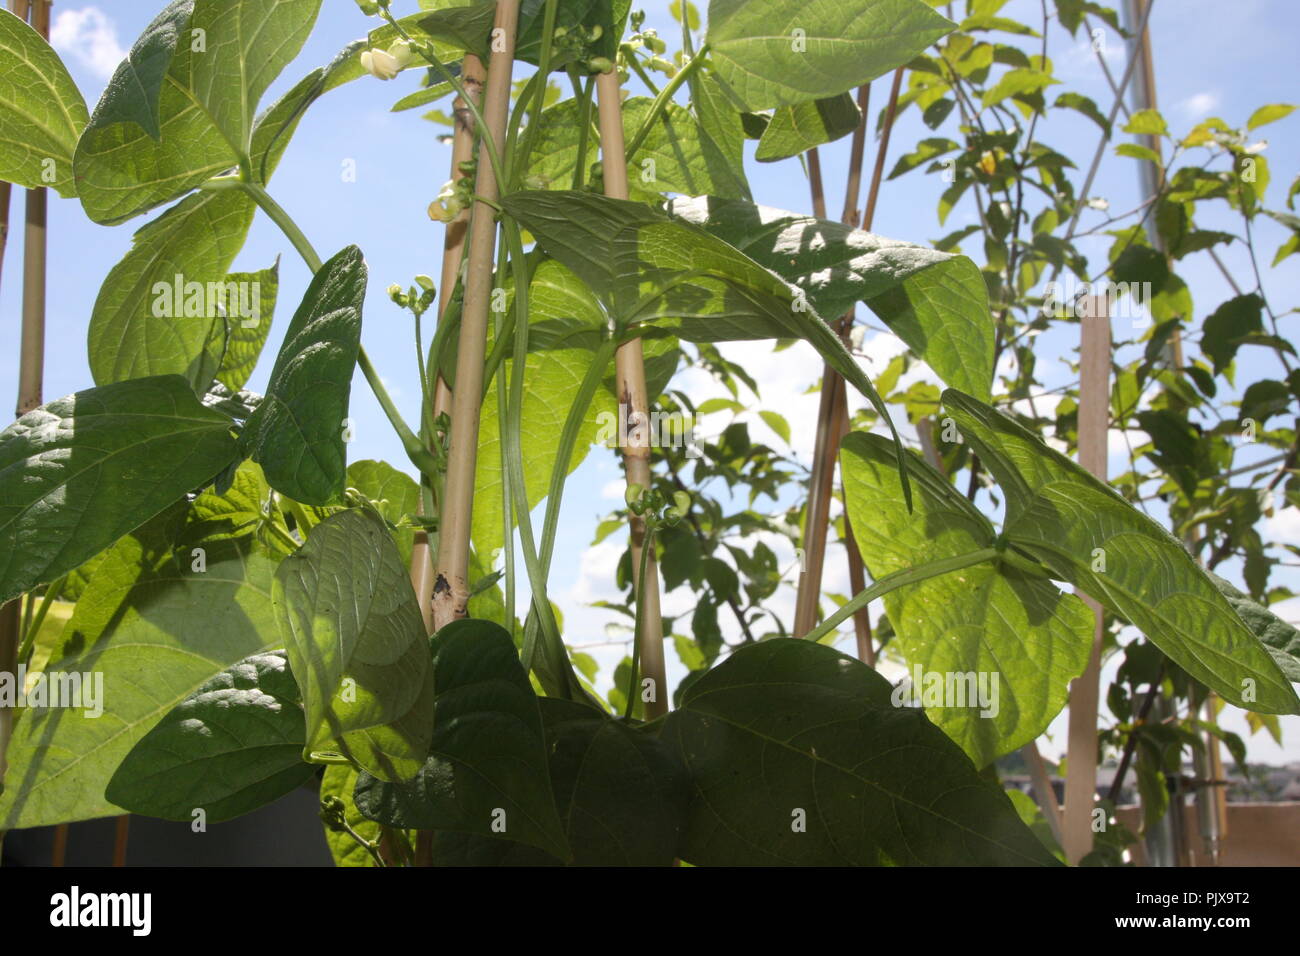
x=424, y=282
x=633, y=496
x=600, y=64
x=401, y=52
x=368, y=7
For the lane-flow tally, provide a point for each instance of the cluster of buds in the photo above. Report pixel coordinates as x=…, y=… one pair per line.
x=417, y=298
x=648, y=38
x=371, y=8
x=456, y=195
x=575, y=43
x=654, y=508
x=385, y=65
x=333, y=814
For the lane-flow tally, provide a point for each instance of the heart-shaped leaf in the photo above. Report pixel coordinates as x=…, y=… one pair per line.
x=1088, y=535
x=297, y=432
x=356, y=645
x=797, y=129
x=82, y=471
x=935, y=302
x=798, y=756
x=486, y=772
x=992, y=627
x=787, y=51
x=165, y=610
x=41, y=111
x=180, y=108
x=232, y=746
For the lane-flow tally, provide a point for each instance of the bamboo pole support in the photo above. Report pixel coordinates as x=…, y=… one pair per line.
x=634, y=402
x=1094, y=423
x=451, y=585
x=462, y=150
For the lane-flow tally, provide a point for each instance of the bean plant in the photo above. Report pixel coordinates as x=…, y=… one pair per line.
x=265, y=614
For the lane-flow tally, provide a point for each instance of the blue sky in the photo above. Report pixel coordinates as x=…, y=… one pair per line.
x=1208, y=62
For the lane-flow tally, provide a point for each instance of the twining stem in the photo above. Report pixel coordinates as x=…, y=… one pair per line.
x=634, y=400
x=898, y=579
x=415, y=449
x=451, y=584
x=660, y=103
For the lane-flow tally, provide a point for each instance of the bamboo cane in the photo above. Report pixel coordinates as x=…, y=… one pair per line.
x=634, y=401
x=1094, y=422
x=451, y=584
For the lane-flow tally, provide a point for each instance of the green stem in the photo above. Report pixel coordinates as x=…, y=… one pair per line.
x=542, y=77
x=897, y=580
x=425, y=51
x=661, y=101
x=583, y=96
x=34, y=626
x=646, y=547
x=415, y=449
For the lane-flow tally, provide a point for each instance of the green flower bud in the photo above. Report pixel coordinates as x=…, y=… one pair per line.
x=600, y=64
x=424, y=282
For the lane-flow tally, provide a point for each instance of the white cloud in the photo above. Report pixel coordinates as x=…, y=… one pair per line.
x=90, y=37
x=1200, y=104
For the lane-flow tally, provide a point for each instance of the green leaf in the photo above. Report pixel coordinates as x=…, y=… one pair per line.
x=798, y=756
x=677, y=278
x=232, y=746
x=296, y=434
x=42, y=112
x=197, y=239
x=155, y=628
x=486, y=773
x=1017, y=82
x=1084, y=105
x=394, y=494
x=80, y=472
x=620, y=794
x=1269, y=114
x=993, y=622
x=1231, y=324
x=1062, y=516
x=1137, y=151
x=1147, y=122
x=340, y=780
x=722, y=135
x=777, y=423
x=1281, y=639
x=783, y=52
x=356, y=645
x=796, y=129
x=935, y=302
x=180, y=108
x=250, y=306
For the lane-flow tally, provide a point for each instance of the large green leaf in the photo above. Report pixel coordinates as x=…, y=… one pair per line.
x=80, y=472
x=232, y=746
x=486, y=772
x=356, y=645
x=722, y=134
x=41, y=111
x=619, y=792
x=1281, y=638
x=649, y=269
x=197, y=239
x=796, y=129
x=297, y=432
x=180, y=108
x=1086, y=534
x=1020, y=638
x=675, y=156
x=155, y=627
x=798, y=756
x=782, y=52
x=935, y=302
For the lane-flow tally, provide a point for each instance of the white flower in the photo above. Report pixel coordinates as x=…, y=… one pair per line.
x=385, y=65
x=448, y=204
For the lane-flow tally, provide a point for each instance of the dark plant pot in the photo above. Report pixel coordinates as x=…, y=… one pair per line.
x=285, y=833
